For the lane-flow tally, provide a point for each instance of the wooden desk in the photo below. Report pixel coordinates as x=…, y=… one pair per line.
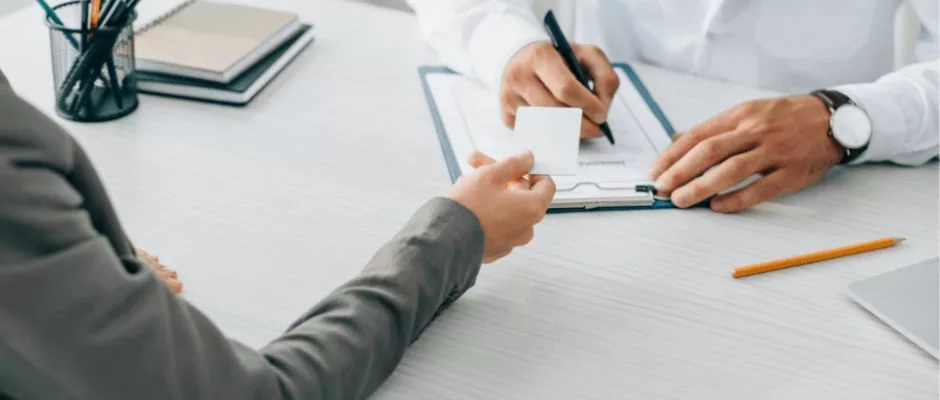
x=265, y=209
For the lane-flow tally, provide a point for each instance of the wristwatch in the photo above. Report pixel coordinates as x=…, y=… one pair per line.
x=849, y=124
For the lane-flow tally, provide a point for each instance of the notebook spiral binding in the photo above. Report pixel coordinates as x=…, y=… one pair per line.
x=165, y=15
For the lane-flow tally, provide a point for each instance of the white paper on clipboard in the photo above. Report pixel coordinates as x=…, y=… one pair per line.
x=606, y=173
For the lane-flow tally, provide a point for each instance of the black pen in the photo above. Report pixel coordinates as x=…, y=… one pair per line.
x=563, y=48
x=97, y=54
x=112, y=77
x=85, y=28
x=106, y=7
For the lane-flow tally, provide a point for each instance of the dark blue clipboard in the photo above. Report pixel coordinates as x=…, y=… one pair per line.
x=453, y=166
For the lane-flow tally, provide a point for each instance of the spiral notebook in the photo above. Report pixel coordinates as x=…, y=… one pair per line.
x=207, y=40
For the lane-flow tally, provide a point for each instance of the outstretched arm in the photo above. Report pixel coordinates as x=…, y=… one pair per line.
x=79, y=321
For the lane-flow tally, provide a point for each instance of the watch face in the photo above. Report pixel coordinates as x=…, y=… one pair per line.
x=851, y=126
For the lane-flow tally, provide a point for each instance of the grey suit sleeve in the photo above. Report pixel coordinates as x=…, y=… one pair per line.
x=80, y=320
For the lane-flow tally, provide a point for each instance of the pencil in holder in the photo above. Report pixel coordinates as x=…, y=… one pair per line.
x=93, y=67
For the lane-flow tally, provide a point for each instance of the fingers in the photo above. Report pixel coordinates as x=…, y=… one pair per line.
x=509, y=102
x=519, y=184
x=509, y=119
x=602, y=73
x=522, y=239
x=525, y=237
x=701, y=157
x=478, y=159
x=145, y=255
x=729, y=173
x=175, y=285
x=152, y=260
x=565, y=87
x=169, y=277
x=673, y=153
x=543, y=187
x=684, y=142
x=723, y=122
x=165, y=272
x=589, y=130
x=149, y=259
x=775, y=184
x=535, y=93
x=511, y=168
x=497, y=256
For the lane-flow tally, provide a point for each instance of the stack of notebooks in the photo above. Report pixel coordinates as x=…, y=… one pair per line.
x=211, y=51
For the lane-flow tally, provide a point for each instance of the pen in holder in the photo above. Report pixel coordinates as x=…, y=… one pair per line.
x=93, y=67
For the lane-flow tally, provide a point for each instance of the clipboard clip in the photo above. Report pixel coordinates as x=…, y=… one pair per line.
x=646, y=188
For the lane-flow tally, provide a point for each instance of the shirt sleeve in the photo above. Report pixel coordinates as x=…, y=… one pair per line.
x=77, y=320
x=478, y=37
x=903, y=105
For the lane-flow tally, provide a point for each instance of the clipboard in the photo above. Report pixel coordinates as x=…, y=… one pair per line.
x=586, y=196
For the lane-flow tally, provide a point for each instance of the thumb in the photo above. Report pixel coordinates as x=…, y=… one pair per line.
x=478, y=159
x=512, y=168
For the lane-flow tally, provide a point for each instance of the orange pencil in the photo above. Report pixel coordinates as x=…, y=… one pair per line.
x=823, y=255
x=95, y=11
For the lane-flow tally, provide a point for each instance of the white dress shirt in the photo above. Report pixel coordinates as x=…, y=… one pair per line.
x=791, y=46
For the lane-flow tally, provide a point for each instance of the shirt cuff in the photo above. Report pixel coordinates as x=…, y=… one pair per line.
x=890, y=116
x=497, y=39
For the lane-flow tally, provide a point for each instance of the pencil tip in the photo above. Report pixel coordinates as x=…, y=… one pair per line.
x=899, y=239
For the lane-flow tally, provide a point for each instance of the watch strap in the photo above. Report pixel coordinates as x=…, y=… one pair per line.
x=852, y=154
x=835, y=99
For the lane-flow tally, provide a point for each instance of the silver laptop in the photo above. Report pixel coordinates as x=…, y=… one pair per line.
x=907, y=299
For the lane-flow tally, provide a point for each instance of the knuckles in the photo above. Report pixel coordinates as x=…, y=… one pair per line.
x=667, y=180
x=737, y=164
x=540, y=51
x=732, y=205
x=527, y=236
x=508, y=104
x=710, y=148
x=523, y=64
x=509, y=120
x=611, y=81
x=760, y=127
x=589, y=50
x=506, y=95
x=534, y=212
x=569, y=91
x=696, y=191
x=512, y=77
x=744, y=110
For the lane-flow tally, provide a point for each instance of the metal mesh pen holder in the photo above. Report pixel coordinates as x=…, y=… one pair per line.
x=93, y=69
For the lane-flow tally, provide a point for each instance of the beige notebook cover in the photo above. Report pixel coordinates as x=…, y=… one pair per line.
x=211, y=41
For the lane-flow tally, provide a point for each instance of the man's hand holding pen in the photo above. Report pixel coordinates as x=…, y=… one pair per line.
x=538, y=76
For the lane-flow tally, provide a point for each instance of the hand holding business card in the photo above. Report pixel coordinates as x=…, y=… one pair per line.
x=552, y=134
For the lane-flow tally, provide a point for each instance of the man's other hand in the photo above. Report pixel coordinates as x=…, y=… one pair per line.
x=786, y=140
x=169, y=276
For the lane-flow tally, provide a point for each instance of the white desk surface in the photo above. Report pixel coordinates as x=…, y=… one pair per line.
x=264, y=209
